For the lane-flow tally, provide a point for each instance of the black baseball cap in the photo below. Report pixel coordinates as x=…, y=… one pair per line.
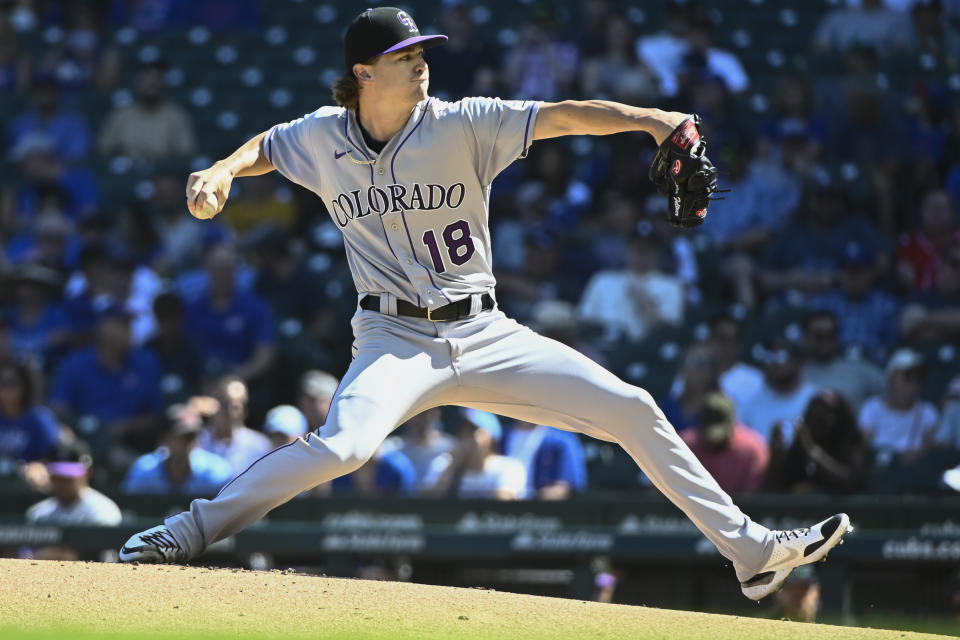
x=382, y=30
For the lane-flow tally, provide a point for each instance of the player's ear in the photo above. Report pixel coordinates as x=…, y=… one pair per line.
x=361, y=72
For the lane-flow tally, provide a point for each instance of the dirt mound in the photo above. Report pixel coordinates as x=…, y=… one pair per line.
x=176, y=601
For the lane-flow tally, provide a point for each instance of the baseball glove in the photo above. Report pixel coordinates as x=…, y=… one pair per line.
x=684, y=175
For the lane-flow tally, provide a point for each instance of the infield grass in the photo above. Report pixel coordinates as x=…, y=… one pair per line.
x=93, y=601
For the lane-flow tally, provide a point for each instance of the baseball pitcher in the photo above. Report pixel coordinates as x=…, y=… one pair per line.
x=406, y=178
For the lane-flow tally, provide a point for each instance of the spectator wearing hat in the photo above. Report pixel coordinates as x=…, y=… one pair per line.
x=829, y=453
x=554, y=460
x=37, y=321
x=153, y=127
x=865, y=311
x=805, y=253
x=826, y=366
x=473, y=469
x=48, y=115
x=179, y=466
x=921, y=254
x=226, y=434
x=899, y=423
x=733, y=454
x=74, y=501
x=422, y=439
x=110, y=391
x=317, y=389
x=284, y=424
x=697, y=379
x=28, y=430
x=634, y=300
x=235, y=327
x=777, y=406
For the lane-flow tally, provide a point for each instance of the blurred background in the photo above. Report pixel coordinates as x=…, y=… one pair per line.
x=803, y=340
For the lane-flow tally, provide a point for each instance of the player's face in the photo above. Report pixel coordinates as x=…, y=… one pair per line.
x=403, y=74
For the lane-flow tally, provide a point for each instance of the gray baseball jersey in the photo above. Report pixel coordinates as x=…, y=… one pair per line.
x=415, y=216
x=415, y=225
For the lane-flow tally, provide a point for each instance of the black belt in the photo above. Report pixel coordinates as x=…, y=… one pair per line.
x=454, y=311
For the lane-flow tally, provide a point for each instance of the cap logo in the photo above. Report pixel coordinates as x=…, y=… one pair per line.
x=404, y=18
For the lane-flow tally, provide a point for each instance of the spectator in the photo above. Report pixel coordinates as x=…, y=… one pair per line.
x=317, y=389
x=422, y=440
x=472, y=469
x=48, y=116
x=259, y=202
x=15, y=64
x=541, y=48
x=934, y=317
x=284, y=424
x=28, y=430
x=775, y=408
x=797, y=130
x=235, y=327
x=948, y=433
x=697, y=380
x=553, y=459
x=899, y=423
x=181, y=236
x=469, y=65
x=111, y=392
x=388, y=472
x=869, y=24
x=558, y=320
x=704, y=56
x=84, y=57
x=804, y=255
x=735, y=456
x=634, y=300
x=799, y=599
x=616, y=73
x=663, y=51
x=41, y=173
x=541, y=278
x=37, y=321
x=738, y=380
x=283, y=275
x=829, y=454
x=153, y=127
x=179, y=466
x=181, y=364
x=921, y=253
x=856, y=379
x=74, y=501
x=226, y=435
x=865, y=311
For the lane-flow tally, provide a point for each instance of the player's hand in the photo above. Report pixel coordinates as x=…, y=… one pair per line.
x=203, y=187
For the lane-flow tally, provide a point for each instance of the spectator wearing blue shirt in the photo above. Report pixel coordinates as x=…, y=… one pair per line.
x=69, y=130
x=179, y=466
x=28, y=431
x=37, y=321
x=235, y=328
x=111, y=391
x=554, y=460
x=867, y=314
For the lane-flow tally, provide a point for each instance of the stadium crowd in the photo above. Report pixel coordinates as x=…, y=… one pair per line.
x=802, y=339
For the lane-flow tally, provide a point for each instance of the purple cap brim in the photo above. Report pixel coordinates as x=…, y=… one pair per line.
x=409, y=41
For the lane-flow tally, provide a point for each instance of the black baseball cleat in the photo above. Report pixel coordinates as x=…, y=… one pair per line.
x=793, y=548
x=156, y=545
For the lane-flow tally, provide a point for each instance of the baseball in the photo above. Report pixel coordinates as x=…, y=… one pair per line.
x=209, y=207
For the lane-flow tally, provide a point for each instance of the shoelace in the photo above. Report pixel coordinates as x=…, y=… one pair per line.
x=791, y=533
x=162, y=539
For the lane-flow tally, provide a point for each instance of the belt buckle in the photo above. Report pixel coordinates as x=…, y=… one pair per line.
x=430, y=316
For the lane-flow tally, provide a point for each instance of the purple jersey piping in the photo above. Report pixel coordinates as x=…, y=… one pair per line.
x=403, y=215
x=346, y=132
x=251, y=467
x=526, y=129
x=269, y=149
